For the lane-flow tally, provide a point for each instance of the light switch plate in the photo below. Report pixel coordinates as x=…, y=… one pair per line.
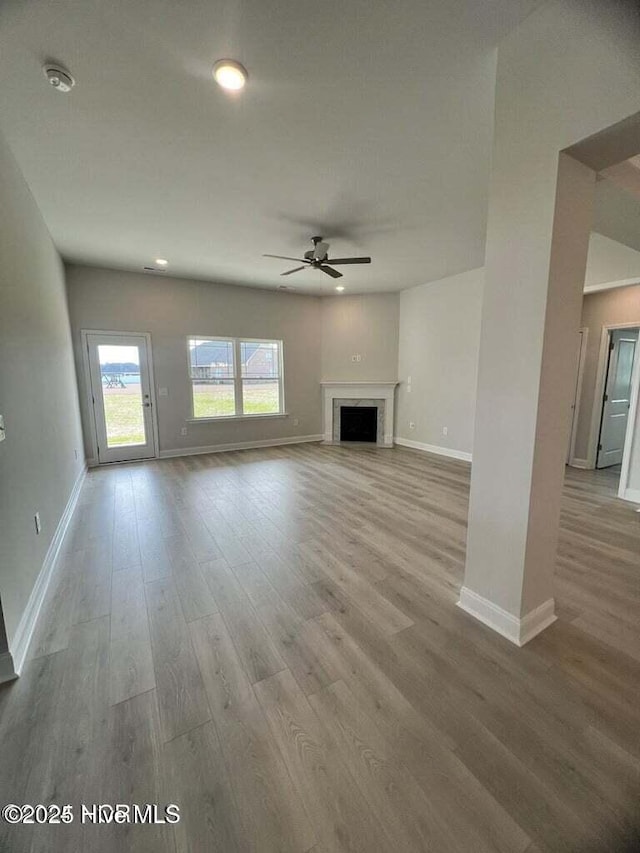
x=163, y=392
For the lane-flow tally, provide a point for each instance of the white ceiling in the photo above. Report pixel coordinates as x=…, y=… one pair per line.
x=367, y=121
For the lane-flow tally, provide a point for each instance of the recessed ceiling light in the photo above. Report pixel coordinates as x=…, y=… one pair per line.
x=230, y=74
x=339, y=288
x=162, y=262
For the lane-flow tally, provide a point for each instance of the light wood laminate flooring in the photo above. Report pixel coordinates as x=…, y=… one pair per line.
x=269, y=639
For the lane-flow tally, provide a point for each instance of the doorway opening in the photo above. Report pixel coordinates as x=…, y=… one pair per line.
x=618, y=359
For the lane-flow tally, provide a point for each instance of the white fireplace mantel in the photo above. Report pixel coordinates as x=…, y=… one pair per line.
x=359, y=390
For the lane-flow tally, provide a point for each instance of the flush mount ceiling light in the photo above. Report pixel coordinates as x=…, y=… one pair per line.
x=230, y=75
x=162, y=262
x=339, y=288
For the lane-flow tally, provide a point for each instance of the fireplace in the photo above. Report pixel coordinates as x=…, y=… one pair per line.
x=377, y=397
x=359, y=423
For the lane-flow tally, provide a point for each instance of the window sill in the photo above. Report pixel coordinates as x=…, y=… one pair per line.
x=235, y=418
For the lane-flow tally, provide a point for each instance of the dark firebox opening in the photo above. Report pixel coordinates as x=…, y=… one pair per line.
x=358, y=423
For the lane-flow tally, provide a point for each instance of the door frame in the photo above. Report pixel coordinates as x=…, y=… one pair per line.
x=628, y=438
x=84, y=333
x=582, y=357
x=601, y=371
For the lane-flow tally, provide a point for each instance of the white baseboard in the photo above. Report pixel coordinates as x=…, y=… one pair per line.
x=434, y=448
x=239, y=445
x=519, y=631
x=27, y=624
x=632, y=495
x=579, y=463
x=7, y=669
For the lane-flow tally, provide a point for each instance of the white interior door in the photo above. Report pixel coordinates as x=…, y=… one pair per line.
x=617, y=397
x=119, y=368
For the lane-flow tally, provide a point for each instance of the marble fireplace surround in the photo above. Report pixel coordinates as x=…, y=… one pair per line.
x=337, y=394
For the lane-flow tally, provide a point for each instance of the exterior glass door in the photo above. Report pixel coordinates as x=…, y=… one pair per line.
x=121, y=395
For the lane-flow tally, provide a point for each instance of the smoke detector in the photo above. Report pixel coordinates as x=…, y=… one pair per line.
x=59, y=78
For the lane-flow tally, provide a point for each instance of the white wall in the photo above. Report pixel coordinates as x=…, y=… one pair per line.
x=438, y=351
x=364, y=325
x=439, y=340
x=38, y=398
x=171, y=309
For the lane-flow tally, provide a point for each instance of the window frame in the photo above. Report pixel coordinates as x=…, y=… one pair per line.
x=238, y=378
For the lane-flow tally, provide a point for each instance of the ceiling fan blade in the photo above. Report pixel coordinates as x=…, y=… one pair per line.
x=286, y=258
x=295, y=269
x=329, y=271
x=349, y=260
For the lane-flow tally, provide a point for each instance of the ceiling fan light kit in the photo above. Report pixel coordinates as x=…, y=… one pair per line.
x=318, y=258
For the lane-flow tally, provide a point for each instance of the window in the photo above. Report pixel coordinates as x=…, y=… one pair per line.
x=212, y=364
x=260, y=362
x=232, y=377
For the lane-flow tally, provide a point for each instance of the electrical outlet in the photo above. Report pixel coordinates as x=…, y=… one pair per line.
x=354, y=358
x=36, y=518
x=183, y=431
x=412, y=425
x=296, y=421
x=445, y=430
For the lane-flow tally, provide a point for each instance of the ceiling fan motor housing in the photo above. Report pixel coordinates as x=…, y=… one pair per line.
x=320, y=251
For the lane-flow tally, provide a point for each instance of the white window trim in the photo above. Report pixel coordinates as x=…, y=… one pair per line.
x=237, y=379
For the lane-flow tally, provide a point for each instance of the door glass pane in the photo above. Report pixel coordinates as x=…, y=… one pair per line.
x=622, y=381
x=122, y=395
x=260, y=377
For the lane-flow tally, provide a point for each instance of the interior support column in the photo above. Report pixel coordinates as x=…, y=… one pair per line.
x=537, y=245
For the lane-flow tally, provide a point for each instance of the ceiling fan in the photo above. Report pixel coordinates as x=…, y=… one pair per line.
x=318, y=258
